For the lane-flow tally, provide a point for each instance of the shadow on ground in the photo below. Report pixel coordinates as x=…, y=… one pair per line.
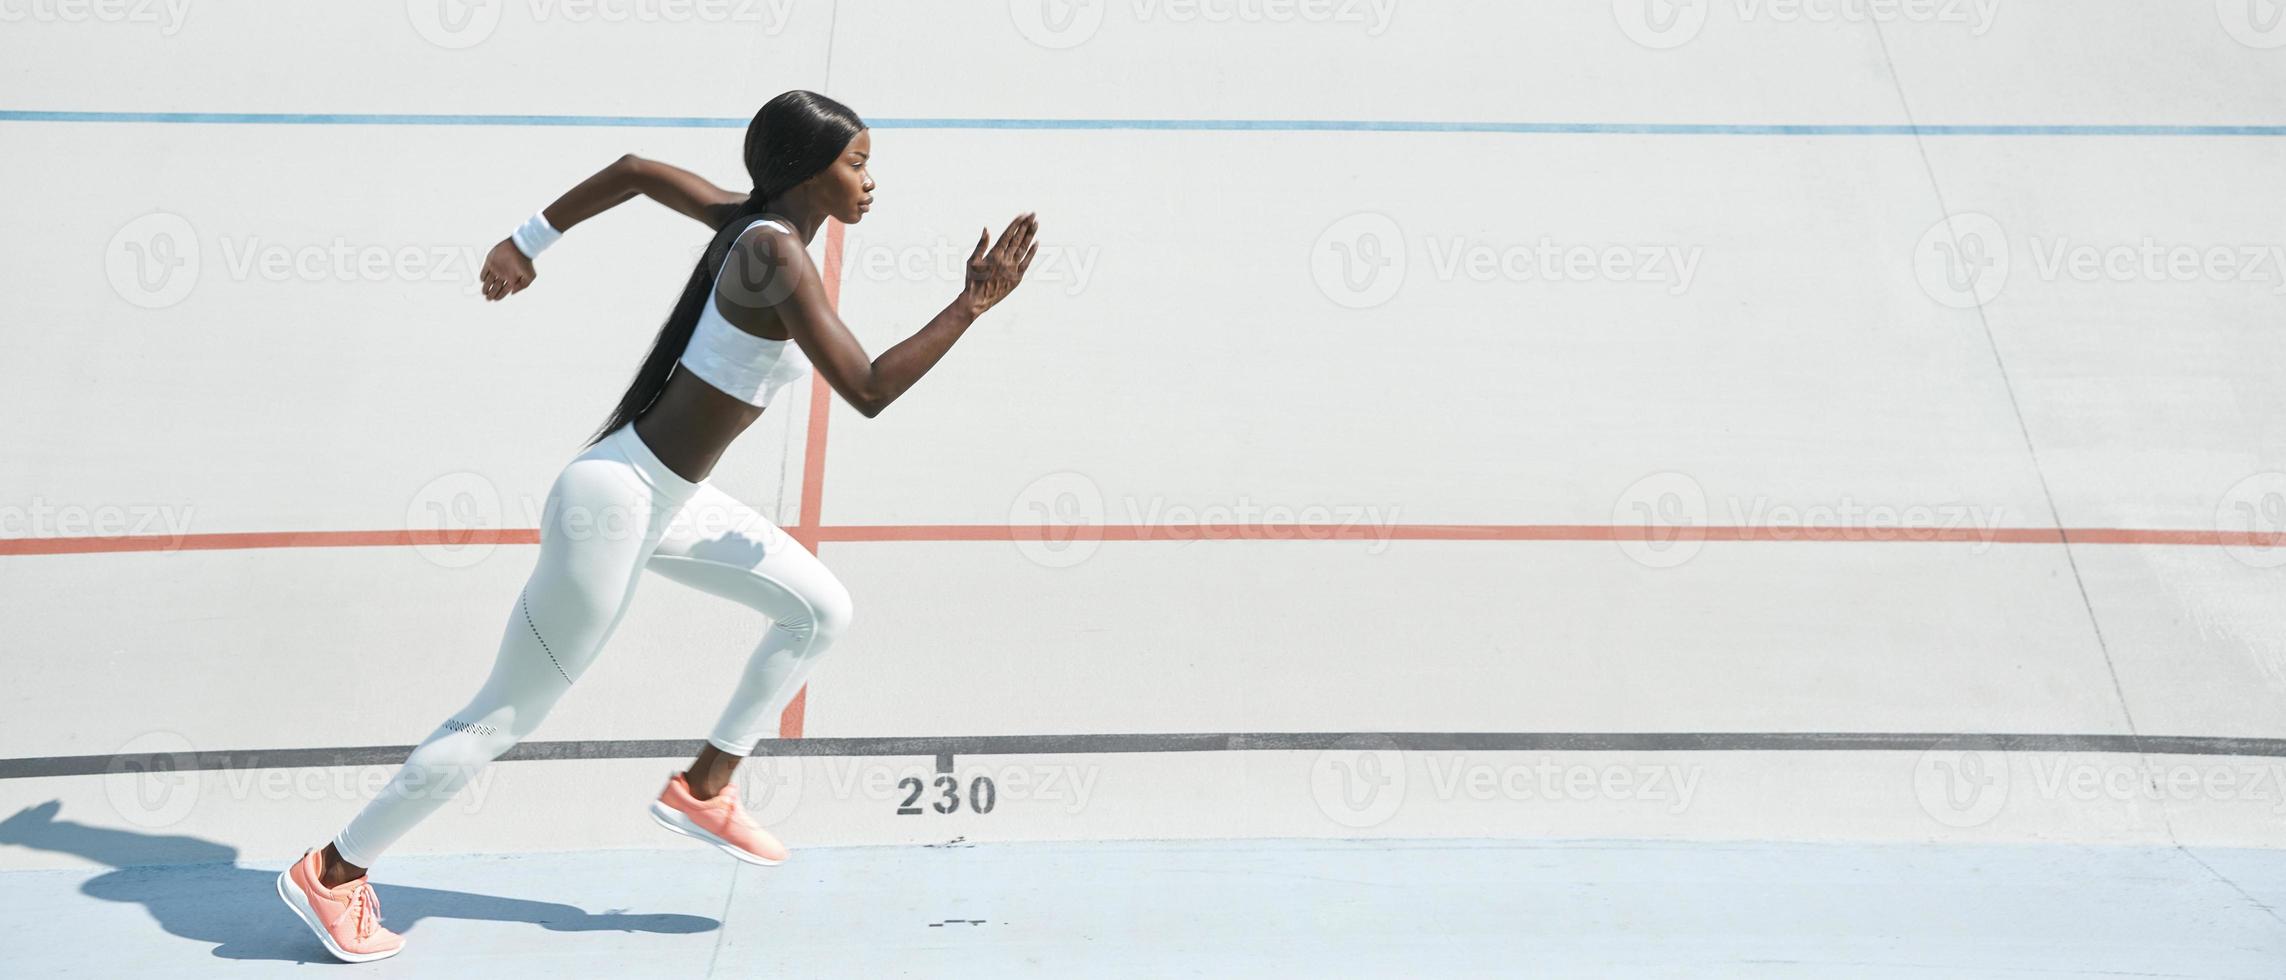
x=200, y=892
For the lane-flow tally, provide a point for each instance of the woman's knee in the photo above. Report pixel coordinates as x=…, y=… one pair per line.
x=834, y=609
x=826, y=613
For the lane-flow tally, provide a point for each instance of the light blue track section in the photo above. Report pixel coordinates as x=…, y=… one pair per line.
x=1168, y=125
x=1219, y=908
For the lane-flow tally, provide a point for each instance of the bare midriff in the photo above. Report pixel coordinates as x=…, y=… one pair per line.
x=692, y=423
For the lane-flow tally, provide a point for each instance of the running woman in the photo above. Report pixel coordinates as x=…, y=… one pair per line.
x=752, y=320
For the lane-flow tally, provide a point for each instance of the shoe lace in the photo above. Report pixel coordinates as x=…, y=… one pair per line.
x=737, y=808
x=364, y=910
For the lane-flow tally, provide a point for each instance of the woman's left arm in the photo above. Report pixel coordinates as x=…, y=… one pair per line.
x=507, y=270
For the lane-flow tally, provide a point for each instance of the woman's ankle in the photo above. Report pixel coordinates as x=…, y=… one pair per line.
x=334, y=871
x=710, y=772
x=705, y=788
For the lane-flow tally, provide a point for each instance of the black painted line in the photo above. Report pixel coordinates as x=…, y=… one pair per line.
x=946, y=746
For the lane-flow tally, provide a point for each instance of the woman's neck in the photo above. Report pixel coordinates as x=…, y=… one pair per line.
x=806, y=218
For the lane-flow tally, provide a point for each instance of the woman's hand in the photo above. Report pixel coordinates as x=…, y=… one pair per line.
x=506, y=271
x=994, y=273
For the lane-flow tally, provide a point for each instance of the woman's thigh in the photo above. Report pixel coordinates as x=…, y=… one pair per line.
x=720, y=546
x=599, y=527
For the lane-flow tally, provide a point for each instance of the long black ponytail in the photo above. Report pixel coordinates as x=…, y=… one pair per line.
x=791, y=139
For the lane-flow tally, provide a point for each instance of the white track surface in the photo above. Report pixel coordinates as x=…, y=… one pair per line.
x=1181, y=356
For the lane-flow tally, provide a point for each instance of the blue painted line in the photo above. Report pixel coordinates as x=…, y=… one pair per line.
x=367, y=119
x=1165, y=125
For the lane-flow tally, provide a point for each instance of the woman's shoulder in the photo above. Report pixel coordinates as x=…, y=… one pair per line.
x=775, y=222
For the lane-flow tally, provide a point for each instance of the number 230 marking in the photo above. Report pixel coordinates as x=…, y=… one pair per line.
x=982, y=796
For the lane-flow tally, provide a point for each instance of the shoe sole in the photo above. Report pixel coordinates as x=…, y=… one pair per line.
x=672, y=819
x=299, y=901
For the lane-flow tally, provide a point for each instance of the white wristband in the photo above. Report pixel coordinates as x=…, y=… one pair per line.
x=534, y=235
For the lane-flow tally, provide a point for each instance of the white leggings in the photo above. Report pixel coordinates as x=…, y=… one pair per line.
x=614, y=511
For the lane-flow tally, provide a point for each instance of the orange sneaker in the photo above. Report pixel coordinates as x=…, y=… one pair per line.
x=721, y=821
x=346, y=919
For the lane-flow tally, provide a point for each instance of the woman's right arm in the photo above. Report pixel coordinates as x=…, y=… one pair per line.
x=508, y=270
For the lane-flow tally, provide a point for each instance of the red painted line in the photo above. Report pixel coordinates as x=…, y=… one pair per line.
x=1531, y=532
x=813, y=464
x=821, y=404
x=813, y=535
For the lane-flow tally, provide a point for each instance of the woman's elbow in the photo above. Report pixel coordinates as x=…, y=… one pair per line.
x=873, y=401
x=637, y=174
x=866, y=395
x=867, y=403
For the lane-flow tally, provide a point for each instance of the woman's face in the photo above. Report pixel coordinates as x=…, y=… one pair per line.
x=849, y=182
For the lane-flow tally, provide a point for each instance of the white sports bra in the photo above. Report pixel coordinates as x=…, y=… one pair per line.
x=744, y=366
